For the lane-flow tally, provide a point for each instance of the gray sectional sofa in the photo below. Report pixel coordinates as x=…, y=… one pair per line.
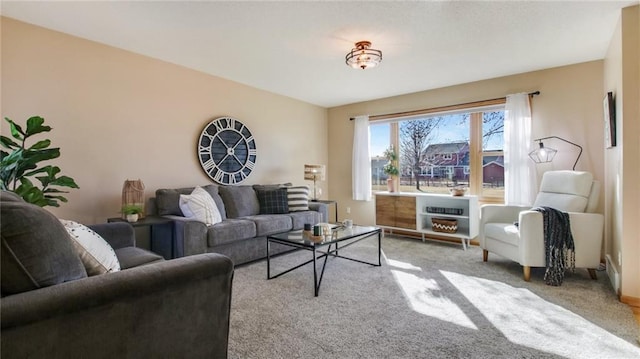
x=242, y=233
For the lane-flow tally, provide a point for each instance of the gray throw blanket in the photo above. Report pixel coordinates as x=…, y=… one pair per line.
x=558, y=244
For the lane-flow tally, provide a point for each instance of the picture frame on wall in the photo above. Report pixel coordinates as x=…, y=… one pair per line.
x=609, y=120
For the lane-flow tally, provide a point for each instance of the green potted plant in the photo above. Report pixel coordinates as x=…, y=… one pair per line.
x=21, y=164
x=132, y=212
x=391, y=168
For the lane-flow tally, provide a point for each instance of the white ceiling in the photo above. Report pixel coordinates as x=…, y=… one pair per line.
x=297, y=49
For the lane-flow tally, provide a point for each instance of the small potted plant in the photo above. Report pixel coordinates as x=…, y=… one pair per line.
x=391, y=168
x=132, y=212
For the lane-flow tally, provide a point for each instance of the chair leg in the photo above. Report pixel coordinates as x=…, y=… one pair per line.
x=485, y=255
x=592, y=273
x=526, y=271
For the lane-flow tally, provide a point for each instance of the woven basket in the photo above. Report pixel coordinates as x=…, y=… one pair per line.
x=133, y=193
x=444, y=225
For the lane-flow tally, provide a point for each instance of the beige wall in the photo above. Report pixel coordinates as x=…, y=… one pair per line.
x=569, y=106
x=117, y=115
x=622, y=193
x=612, y=156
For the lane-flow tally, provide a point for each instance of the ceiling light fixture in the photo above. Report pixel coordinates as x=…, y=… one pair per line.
x=363, y=57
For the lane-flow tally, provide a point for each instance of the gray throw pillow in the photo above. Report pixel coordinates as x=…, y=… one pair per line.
x=8, y=196
x=239, y=201
x=36, y=249
x=271, y=186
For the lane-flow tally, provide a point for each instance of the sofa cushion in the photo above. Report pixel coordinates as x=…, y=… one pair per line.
x=267, y=224
x=301, y=217
x=504, y=232
x=298, y=198
x=273, y=200
x=95, y=253
x=239, y=201
x=230, y=230
x=36, y=249
x=168, y=200
x=567, y=191
x=131, y=257
x=200, y=206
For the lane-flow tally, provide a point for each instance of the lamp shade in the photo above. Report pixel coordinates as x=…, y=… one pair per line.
x=542, y=154
x=314, y=172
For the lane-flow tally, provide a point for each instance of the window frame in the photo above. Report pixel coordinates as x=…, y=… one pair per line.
x=476, y=154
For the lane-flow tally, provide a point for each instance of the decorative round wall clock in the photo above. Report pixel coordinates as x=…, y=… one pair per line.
x=227, y=150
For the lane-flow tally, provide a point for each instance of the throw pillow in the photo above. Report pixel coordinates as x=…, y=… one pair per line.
x=36, y=250
x=212, y=189
x=168, y=201
x=95, y=253
x=200, y=206
x=273, y=201
x=239, y=201
x=271, y=186
x=298, y=198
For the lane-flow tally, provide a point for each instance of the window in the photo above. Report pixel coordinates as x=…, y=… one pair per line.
x=440, y=150
x=492, y=154
x=380, y=141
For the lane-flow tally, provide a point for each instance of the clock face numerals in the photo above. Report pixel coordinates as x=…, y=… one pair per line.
x=227, y=151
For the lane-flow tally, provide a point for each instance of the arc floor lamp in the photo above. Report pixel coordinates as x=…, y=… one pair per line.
x=544, y=154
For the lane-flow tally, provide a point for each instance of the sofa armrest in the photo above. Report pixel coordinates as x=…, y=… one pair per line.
x=588, y=233
x=499, y=213
x=190, y=236
x=177, y=308
x=117, y=234
x=531, y=246
x=586, y=229
x=323, y=208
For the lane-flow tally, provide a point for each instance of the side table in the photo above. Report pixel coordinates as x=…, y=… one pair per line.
x=329, y=201
x=161, y=239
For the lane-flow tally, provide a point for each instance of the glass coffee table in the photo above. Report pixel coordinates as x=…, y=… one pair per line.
x=340, y=238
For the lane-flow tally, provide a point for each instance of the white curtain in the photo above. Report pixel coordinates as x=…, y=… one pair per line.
x=519, y=170
x=361, y=170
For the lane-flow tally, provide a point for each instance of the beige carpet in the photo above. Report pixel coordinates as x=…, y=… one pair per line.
x=428, y=300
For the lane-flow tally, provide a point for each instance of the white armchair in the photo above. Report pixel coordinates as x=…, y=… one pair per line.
x=570, y=191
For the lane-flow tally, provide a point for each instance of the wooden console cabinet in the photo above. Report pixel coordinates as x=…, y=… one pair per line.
x=414, y=212
x=396, y=211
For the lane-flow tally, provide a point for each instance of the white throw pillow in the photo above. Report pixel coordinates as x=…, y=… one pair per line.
x=298, y=198
x=96, y=254
x=199, y=205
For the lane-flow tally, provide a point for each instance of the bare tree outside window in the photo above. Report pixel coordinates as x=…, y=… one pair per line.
x=492, y=131
x=415, y=135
